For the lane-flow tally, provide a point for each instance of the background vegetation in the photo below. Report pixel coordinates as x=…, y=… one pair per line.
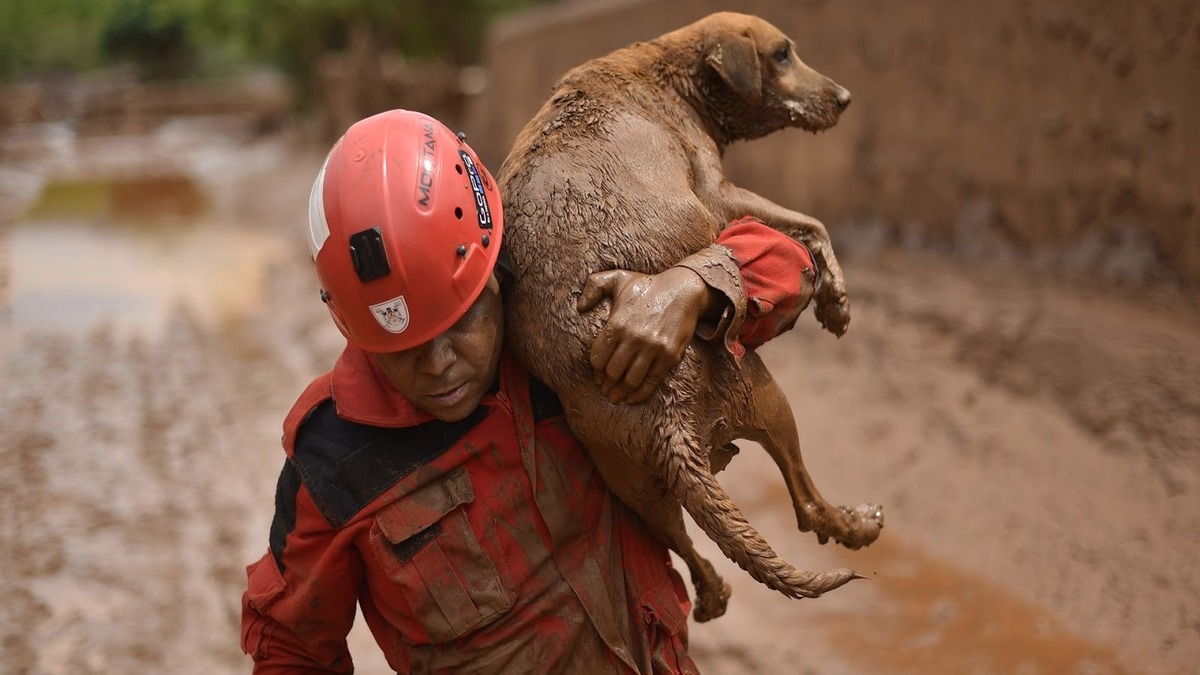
x=180, y=38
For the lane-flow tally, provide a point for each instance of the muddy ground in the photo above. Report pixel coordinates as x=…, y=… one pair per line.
x=1035, y=441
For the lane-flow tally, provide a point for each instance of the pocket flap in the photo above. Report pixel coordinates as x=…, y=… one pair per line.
x=425, y=506
x=663, y=605
x=265, y=582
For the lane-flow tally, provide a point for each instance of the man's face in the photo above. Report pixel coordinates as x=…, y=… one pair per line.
x=447, y=376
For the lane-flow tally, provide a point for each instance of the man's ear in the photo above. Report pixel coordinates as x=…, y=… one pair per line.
x=736, y=61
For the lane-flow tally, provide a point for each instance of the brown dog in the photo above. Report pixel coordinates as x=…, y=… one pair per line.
x=621, y=168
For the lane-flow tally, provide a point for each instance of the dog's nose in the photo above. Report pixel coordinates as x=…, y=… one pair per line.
x=843, y=97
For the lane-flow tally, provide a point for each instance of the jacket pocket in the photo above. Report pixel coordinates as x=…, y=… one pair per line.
x=427, y=548
x=665, y=619
x=265, y=584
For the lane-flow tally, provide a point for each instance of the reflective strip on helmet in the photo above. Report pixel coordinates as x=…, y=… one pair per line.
x=318, y=226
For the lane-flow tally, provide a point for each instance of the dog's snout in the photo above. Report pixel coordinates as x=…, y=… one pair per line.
x=842, y=97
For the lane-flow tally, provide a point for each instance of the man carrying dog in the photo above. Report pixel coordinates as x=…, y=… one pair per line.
x=429, y=480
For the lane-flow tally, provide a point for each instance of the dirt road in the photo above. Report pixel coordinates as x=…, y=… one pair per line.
x=1036, y=445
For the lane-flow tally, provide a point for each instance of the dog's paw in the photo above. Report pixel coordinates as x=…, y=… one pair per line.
x=863, y=524
x=833, y=308
x=711, y=603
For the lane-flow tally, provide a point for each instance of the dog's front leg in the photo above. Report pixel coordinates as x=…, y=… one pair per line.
x=833, y=303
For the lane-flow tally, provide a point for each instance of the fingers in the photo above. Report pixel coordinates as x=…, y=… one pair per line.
x=632, y=375
x=650, y=382
x=634, y=379
x=598, y=286
x=639, y=341
x=603, y=351
x=610, y=358
x=625, y=371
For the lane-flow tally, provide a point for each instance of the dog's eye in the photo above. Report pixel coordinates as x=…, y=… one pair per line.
x=783, y=54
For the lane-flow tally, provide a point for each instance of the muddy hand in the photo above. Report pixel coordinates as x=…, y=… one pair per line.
x=651, y=322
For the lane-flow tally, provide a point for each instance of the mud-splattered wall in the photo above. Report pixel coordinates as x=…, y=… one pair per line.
x=1065, y=133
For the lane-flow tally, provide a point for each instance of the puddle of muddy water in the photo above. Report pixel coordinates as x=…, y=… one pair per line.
x=147, y=202
x=930, y=617
x=918, y=614
x=128, y=253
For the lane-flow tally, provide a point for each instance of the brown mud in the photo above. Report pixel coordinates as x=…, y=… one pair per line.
x=1036, y=442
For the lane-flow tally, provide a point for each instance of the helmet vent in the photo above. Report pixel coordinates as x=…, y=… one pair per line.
x=368, y=255
x=458, y=212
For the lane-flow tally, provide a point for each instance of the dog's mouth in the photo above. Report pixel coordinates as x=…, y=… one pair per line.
x=812, y=114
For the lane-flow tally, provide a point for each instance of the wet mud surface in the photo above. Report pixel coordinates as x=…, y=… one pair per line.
x=1036, y=443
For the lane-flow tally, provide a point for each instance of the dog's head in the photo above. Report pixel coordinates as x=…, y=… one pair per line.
x=755, y=84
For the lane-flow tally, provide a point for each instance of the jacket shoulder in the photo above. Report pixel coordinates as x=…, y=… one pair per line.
x=346, y=465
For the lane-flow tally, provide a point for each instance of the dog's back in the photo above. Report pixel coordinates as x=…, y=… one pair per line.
x=598, y=180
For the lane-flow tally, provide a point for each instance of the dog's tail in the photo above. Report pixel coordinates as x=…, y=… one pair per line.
x=686, y=471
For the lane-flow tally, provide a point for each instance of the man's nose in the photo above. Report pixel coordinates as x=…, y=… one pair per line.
x=437, y=356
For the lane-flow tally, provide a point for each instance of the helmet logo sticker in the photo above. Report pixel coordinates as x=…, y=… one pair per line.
x=425, y=166
x=481, y=205
x=392, y=314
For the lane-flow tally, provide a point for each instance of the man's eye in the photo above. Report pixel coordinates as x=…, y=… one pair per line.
x=475, y=312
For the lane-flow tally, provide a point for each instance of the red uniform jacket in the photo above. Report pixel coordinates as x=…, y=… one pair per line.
x=488, y=545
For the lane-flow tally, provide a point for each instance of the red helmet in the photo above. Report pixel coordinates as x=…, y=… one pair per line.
x=406, y=227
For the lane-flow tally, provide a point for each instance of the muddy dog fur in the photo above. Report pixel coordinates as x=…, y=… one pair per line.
x=621, y=168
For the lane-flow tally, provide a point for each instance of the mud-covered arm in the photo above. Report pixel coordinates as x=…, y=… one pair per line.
x=300, y=598
x=654, y=317
x=725, y=306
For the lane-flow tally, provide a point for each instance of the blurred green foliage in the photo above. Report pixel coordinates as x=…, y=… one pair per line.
x=176, y=38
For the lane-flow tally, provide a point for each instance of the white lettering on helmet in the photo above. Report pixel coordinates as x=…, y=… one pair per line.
x=318, y=226
x=392, y=314
x=482, y=210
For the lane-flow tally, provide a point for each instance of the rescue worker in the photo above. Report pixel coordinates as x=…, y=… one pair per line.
x=429, y=479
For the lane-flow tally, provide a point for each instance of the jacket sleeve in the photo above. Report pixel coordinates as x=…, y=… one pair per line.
x=779, y=276
x=301, y=596
x=768, y=277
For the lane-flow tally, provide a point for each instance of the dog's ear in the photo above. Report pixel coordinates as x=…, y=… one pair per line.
x=735, y=59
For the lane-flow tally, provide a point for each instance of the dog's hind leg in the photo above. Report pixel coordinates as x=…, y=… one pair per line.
x=772, y=425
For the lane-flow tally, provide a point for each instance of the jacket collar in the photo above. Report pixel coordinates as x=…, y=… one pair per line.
x=363, y=394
